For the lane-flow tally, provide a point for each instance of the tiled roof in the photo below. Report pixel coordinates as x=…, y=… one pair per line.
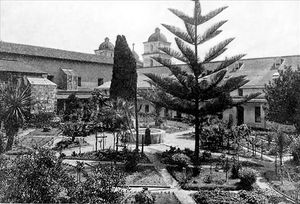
x=258, y=70
x=21, y=49
x=16, y=66
x=40, y=81
x=141, y=83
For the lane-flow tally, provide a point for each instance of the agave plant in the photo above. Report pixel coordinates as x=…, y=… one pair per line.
x=15, y=104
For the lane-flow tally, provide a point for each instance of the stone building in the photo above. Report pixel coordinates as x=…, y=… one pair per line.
x=151, y=48
x=42, y=90
x=259, y=71
x=71, y=72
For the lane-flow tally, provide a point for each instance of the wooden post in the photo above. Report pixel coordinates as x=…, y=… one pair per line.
x=143, y=140
x=96, y=143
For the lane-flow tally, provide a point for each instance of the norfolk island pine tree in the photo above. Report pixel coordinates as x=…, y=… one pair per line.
x=200, y=91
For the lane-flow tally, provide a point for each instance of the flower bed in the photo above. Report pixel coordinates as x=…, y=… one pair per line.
x=218, y=196
x=143, y=176
x=67, y=144
x=39, y=132
x=107, y=155
x=216, y=180
x=32, y=141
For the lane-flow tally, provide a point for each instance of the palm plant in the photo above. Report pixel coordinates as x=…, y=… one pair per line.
x=201, y=90
x=15, y=104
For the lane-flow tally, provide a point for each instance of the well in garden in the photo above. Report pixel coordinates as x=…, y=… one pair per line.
x=157, y=135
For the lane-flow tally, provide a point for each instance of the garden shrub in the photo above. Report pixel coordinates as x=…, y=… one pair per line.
x=253, y=197
x=207, y=178
x=181, y=160
x=220, y=181
x=235, y=170
x=248, y=178
x=144, y=197
x=131, y=162
x=206, y=155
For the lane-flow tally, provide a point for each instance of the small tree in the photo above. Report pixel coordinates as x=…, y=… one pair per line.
x=282, y=95
x=36, y=178
x=102, y=185
x=15, y=104
x=124, y=79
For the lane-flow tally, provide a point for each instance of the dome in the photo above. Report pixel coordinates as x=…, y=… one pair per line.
x=157, y=36
x=106, y=45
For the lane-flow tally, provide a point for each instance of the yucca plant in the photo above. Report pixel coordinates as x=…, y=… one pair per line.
x=15, y=104
x=201, y=90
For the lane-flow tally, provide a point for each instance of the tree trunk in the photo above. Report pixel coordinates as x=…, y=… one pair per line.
x=11, y=133
x=197, y=137
x=136, y=122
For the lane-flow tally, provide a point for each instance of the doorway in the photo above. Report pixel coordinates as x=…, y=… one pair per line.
x=240, y=115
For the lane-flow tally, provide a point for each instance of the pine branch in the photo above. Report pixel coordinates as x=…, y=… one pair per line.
x=210, y=33
x=246, y=98
x=179, y=33
x=226, y=87
x=217, y=50
x=191, y=31
x=182, y=76
x=186, y=51
x=210, y=15
x=165, y=100
x=224, y=64
x=183, y=16
x=174, y=53
x=212, y=81
x=170, y=85
x=215, y=105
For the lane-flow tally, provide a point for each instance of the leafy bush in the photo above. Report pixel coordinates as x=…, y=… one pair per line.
x=216, y=197
x=131, y=162
x=220, y=181
x=41, y=120
x=206, y=155
x=144, y=197
x=102, y=185
x=207, y=178
x=253, y=197
x=181, y=160
x=248, y=178
x=166, y=156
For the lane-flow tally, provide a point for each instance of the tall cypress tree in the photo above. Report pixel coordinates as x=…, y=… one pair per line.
x=124, y=79
x=201, y=90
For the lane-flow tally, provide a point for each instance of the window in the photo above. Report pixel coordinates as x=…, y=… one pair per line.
x=146, y=108
x=151, y=48
x=100, y=81
x=79, y=81
x=257, y=115
x=240, y=92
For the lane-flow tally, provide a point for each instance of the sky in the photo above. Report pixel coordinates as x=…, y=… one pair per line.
x=261, y=28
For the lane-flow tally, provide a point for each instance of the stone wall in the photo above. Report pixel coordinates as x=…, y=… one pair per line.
x=88, y=71
x=44, y=97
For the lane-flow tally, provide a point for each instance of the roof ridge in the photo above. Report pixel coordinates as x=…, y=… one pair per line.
x=51, y=48
x=33, y=50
